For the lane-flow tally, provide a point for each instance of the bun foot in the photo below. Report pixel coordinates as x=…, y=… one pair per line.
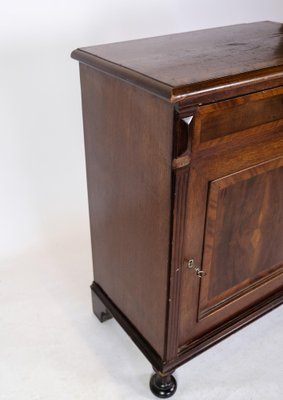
x=163, y=386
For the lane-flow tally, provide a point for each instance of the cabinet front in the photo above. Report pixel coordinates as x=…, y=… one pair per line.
x=243, y=240
x=233, y=236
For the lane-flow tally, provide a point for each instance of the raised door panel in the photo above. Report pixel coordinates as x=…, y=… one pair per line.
x=243, y=245
x=234, y=232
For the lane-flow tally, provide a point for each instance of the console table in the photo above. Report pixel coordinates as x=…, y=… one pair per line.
x=184, y=157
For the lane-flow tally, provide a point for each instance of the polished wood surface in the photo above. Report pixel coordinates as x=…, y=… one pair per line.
x=128, y=154
x=163, y=386
x=245, y=112
x=207, y=166
x=243, y=241
x=184, y=150
x=193, y=57
x=176, y=65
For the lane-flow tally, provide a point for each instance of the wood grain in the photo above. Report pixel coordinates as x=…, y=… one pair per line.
x=184, y=150
x=188, y=65
x=228, y=117
x=128, y=154
x=244, y=234
x=206, y=168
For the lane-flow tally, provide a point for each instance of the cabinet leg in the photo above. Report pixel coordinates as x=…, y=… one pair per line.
x=99, y=308
x=163, y=386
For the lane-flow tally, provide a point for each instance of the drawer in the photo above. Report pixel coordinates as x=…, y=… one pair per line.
x=233, y=120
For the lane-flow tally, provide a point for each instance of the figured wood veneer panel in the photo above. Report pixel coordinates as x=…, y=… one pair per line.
x=244, y=232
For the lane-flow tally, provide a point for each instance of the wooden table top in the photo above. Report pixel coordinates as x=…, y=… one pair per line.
x=179, y=63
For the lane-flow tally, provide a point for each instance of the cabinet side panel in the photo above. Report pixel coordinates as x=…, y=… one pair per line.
x=128, y=139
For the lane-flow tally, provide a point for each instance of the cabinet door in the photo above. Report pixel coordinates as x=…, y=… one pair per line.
x=243, y=242
x=234, y=233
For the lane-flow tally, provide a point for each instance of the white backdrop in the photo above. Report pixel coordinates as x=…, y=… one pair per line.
x=50, y=345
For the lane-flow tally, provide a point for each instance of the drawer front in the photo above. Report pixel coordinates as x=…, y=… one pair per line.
x=233, y=120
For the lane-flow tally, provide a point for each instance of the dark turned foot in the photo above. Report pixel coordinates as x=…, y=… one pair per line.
x=99, y=308
x=163, y=386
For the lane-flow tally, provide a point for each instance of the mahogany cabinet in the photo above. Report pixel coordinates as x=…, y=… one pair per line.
x=184, y=156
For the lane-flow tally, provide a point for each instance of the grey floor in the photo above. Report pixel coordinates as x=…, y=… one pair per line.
x=52, y=347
